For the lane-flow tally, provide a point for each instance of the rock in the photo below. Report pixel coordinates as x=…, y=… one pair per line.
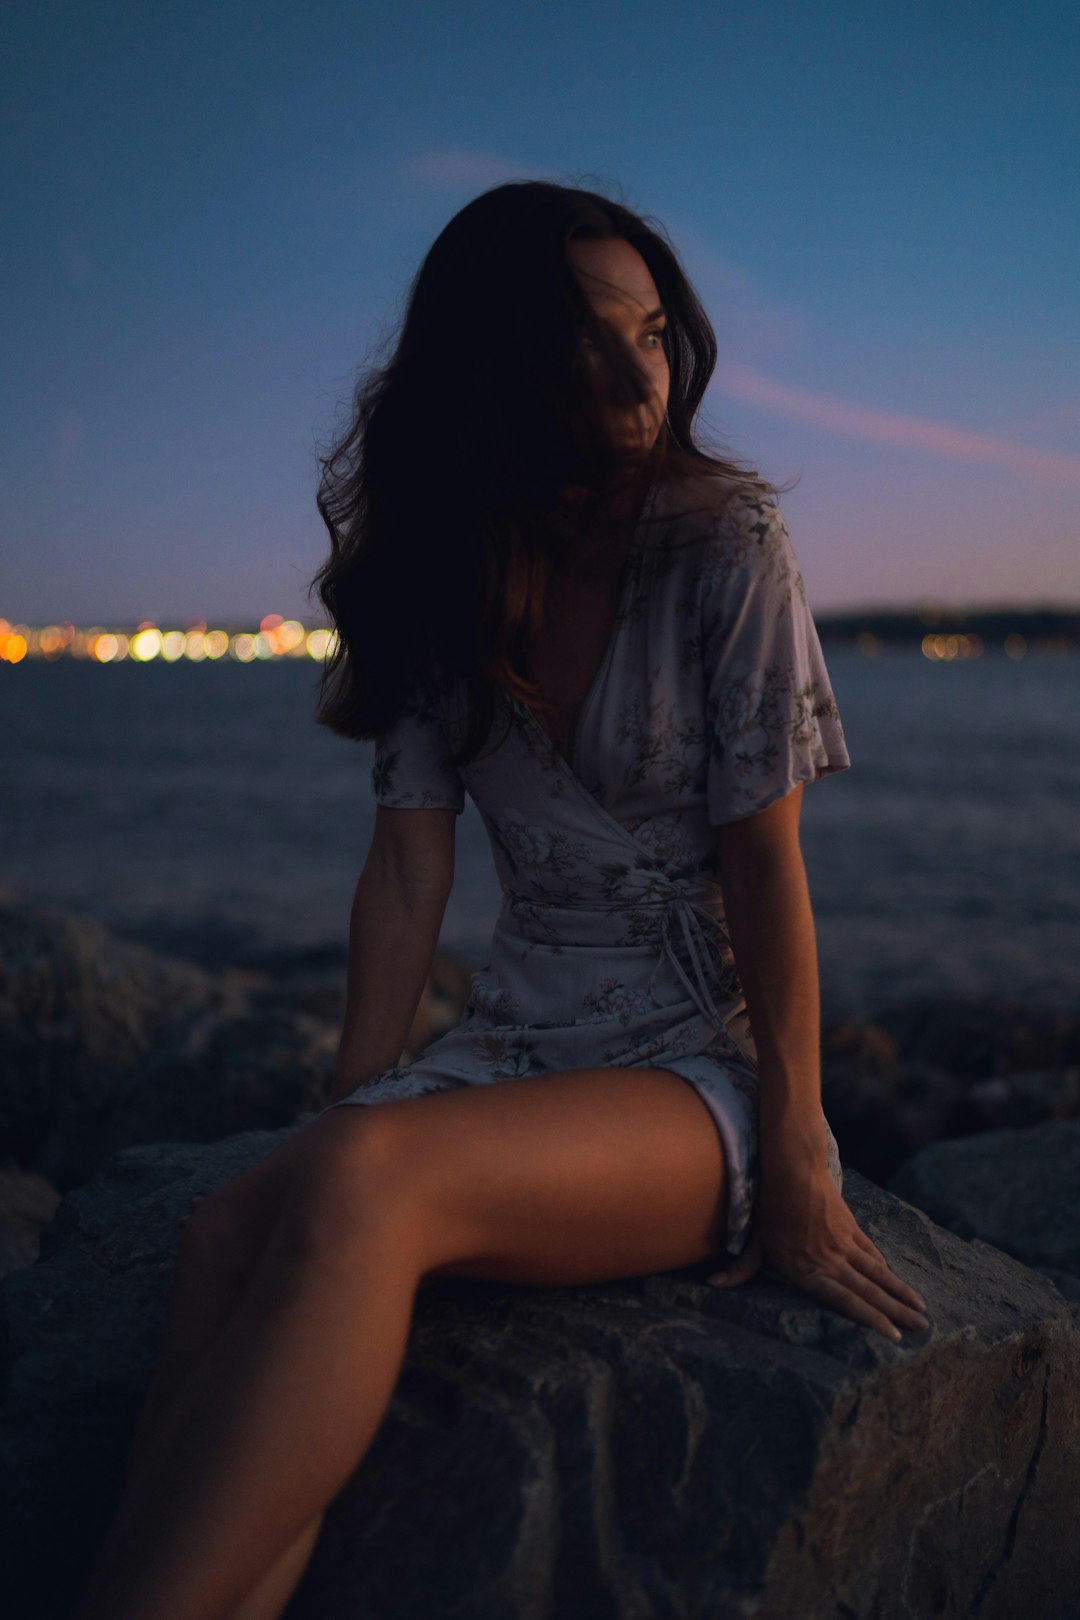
x=975, y=1038
x=880, y=1116
x=1026, y=1098
x=1017, y=1189
x=106, y=1044
x=213, y=1074
x=924, y=1072
x=321, y=995
x=77, y=1011
x=27, y=1203
x=647, y=1447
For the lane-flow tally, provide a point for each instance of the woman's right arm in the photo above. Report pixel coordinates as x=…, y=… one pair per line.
x=397, y=912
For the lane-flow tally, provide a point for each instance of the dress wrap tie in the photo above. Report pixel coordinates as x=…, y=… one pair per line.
x=686, y=920
x=702, y=948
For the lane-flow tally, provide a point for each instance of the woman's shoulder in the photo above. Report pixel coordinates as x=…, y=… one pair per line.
x=726, y=529
x=714, y=505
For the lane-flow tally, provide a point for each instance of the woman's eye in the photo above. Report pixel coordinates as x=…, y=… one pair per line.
x=658, y=333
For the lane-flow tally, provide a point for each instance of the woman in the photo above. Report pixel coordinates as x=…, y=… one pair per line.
x=544, y=593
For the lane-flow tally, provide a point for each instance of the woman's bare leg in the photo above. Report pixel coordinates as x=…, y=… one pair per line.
x=547, y=1181
x=215, y=1261
x=209, y=1280
x=269, y=1597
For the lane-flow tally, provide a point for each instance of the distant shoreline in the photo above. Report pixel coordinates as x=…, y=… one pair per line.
x=1012, y=630
x=938, y=631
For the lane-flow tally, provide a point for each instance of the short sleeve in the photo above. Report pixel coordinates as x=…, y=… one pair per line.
x=770, y=715
x=411, y=769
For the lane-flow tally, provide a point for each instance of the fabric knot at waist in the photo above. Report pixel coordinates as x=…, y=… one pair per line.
x=686, y=928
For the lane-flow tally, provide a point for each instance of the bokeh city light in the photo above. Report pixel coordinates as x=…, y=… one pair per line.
x=147, y=642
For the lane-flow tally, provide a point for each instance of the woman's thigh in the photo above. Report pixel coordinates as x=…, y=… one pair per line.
x=557, y=1179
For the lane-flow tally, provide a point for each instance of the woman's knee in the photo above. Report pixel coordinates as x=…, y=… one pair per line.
x=214, y=1236
x=226, y=1230
x=356, y=1181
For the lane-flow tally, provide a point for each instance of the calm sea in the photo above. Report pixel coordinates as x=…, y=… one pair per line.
x=200, y=808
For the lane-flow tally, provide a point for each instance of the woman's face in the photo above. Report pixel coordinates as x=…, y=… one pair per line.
x=617, y=282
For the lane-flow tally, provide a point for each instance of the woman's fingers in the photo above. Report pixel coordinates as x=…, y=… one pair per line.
x=867, y=1243
x=873, y=1262
x=881, y=1289
x=829, y=1255
x=851, y=1303
x=742, y=1268
x=835, y=1261
x=853, y=1294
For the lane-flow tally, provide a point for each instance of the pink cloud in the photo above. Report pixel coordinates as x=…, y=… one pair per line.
x=893, y=427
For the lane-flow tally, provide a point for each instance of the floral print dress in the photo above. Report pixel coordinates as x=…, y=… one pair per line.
x=611, y=947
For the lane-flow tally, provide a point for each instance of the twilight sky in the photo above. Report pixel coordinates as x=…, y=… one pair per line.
x=212, y=209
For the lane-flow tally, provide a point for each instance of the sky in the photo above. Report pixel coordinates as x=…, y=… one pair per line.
x=214, y=211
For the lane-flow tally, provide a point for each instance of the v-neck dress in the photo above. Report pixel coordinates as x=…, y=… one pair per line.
x=611, y=947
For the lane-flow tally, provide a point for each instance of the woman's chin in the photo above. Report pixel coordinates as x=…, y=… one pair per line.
x=633, y=437
x=633, y=446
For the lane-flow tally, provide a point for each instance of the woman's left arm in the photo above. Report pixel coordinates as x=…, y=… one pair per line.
x=802, y=1227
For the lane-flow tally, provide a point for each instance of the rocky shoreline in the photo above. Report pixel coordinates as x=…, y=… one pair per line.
x=645, y=1448
x=107, y=1044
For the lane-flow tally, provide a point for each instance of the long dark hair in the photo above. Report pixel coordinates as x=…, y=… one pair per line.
x=445, y=498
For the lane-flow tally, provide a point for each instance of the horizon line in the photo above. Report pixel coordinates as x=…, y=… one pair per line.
x=913, y=606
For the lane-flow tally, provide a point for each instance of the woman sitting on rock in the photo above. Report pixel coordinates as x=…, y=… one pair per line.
x=546, y=595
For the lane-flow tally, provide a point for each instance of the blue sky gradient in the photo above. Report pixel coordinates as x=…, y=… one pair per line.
x=216, y=209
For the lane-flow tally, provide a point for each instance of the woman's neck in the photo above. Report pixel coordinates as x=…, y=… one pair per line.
x=614, y=518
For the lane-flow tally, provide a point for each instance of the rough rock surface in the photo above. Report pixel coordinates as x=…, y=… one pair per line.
x=1016, y=1189
x=649, y=1448
x=78, y=1010
x=975, y=1037
x=27, y=1203
x=925, y=1071
x=105, y=1044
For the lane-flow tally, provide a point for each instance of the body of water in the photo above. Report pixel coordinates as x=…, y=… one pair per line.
x=200, y=808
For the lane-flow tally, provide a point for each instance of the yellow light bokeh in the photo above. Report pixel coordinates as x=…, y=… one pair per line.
x=963, y=644
x=104, y=648
x=290, y=635
x=52, y=641
x=289, y=638
x=145, y=644
x=320, y=644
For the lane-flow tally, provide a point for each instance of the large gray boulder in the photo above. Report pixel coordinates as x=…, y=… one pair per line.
x=649, y=1448
x=1017, y=1189
x=923, y=1071
x=78, y=1011
x=105, y=1044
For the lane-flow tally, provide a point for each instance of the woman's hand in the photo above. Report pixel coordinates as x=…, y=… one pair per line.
x=805, y=1232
